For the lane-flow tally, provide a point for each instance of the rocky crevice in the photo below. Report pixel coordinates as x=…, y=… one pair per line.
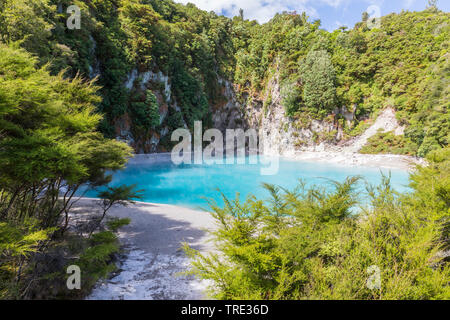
x=149, y=141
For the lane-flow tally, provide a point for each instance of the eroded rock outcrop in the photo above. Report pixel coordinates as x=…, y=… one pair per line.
x=280, y=134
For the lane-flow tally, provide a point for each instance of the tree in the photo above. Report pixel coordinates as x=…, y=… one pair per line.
x=48, y=139
x=138, y=21
x=146, y=114
x=153, y=109
x=25, y=21
x=49, y=148
x=121, y=195
x=310, y=243
x=291, y=98
x=318, y=76
x=241, y=14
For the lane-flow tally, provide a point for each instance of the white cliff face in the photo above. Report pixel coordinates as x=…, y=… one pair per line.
x=146, y=77
x=279, y=134
x=275, y=128
x=282, y=136
x=160, y=78
x=131, y=78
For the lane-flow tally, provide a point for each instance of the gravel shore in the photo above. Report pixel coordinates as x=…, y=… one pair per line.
x=154, y=261
x=388, y=161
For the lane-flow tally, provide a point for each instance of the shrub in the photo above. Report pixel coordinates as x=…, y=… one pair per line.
x=146, y=114
x=96, y=261
x=319, y=79
x=116, y=224
x=291, y=98
x=314, y=243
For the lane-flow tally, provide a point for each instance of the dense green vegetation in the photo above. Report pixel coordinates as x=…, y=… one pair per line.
x=49, y=148
x=62, y=91
x=404, y=64
x=310, y=243
x=146, y=114
x=389, y=143
x=189, y=45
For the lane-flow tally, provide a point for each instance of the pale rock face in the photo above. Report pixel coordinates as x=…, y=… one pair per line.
x=123, y=124
x=131, y=78
x=157, y=77
x=400, y=131
x=277, y=132
x=149, y=76
x=279, y=135
x=153, y=143
x=386, y=122
x=123, y=130
x=94, y=71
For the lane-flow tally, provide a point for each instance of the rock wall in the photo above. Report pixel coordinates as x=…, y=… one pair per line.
x=279, y=134
x=282, y=135
x=228, y=115
x=225, y=115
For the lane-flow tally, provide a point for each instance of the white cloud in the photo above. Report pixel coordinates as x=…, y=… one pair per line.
x=264, y=10
x=261, y=10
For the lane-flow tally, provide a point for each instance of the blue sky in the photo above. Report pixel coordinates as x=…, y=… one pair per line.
x=332, y=13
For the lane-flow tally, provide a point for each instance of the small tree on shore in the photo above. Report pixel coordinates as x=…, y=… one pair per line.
x=122, y=195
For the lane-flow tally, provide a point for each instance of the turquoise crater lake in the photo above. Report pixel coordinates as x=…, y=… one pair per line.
x=187, y=185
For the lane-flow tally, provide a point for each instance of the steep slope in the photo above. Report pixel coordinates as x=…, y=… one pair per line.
x=303, y=87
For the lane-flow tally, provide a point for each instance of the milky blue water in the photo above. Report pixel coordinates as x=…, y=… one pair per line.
x=187, y=185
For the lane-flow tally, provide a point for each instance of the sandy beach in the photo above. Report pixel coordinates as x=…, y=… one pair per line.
x=153, y=259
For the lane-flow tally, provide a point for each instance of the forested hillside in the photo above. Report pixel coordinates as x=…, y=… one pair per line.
x=136, y=70
x=404, y=65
